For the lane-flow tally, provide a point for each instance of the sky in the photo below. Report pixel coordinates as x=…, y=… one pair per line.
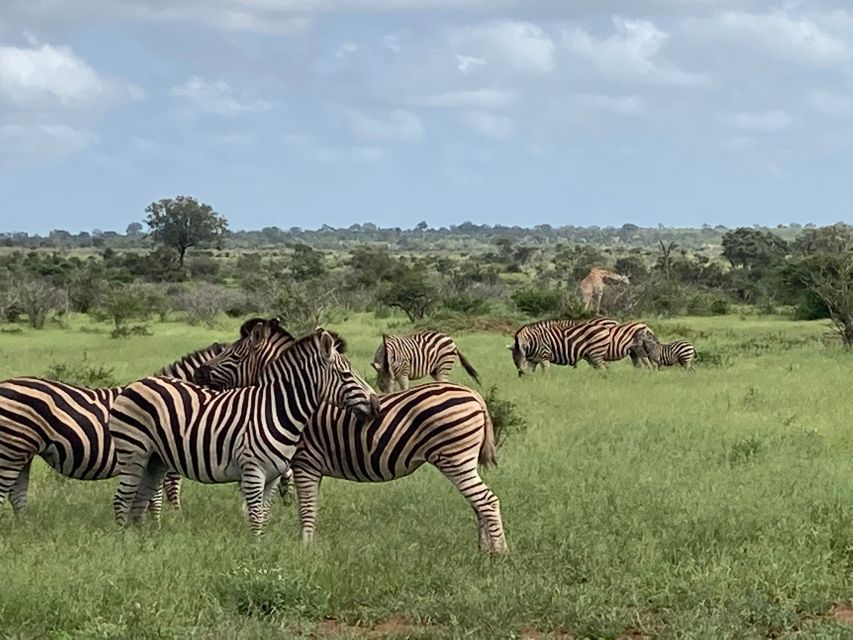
x=311, y=112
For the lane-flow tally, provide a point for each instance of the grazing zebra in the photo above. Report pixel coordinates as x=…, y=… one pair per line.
x=563, y=342
x=415, y=356
x=623, y=342
x=67, y=426
x=444, y=424
x=248, y=434
x=678, y=352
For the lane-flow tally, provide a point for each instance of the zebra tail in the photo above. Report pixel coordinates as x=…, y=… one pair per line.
x=488, y=450
x=469, y=368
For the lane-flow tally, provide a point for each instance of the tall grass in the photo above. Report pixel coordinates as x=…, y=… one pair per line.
x=717, y=504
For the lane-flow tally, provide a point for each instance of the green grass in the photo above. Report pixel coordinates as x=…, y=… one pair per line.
x=717, y=504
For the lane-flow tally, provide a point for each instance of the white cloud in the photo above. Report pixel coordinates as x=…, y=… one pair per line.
x=469, y=99
x=757, y=121
x=46, y=73
x=488, y=125
x=634, y=52
x=468, y=63
x=513, y=45
x=778, y=34
x=625, y=105
x=26, y=144
x=830, y=105
x=355, y=154
x=217, y=97
x=397, y=125
x=346, y=49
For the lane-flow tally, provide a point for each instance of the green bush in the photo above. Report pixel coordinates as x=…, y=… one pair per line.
x=82, y=373
x=538, y=302
x=506, y=417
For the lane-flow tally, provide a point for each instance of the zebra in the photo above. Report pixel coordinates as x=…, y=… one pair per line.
x=623, y=343
x=415, y=356
x=563, y=342
x=678, y=352
x=67, y=426
x=248, y=434
x=444, y=424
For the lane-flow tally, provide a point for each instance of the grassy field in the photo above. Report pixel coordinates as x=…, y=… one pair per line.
x=717, y=504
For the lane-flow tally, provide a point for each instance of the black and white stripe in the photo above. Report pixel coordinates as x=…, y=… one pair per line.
x=247, y=435
x=665, y=355
x=562, y=342
x=442, y=424
x=623, y=342
x=415, y=356
x=67, y=426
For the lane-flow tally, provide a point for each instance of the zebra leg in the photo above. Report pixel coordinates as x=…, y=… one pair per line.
x=483, y=501
x=307, y=493
x=150, y=490
x=18, y=493
x=133, y=465
x=252, y=484
x=285, y=487
x=172, y=486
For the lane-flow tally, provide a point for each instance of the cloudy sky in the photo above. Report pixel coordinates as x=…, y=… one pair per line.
x=304, y=112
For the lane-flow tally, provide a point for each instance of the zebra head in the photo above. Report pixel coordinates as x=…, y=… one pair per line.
x=339, y=384
x=519, y=354
x=239, y=365
x=382, y=364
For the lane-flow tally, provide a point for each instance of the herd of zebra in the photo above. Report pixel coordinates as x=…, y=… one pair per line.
x=270, y=411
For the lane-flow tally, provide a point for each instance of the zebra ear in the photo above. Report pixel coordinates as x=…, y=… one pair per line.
x=327, y=346
x=376, y=366
x=258, y=333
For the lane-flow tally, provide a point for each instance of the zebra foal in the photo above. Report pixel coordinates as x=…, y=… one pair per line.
x=442, y=424
x=415, y=356
x=67, y=426
x=665, y=355
x=247, y=435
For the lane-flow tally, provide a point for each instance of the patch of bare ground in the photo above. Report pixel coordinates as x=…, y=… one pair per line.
x=532, y=633
x=842, y=613
x=396, y=626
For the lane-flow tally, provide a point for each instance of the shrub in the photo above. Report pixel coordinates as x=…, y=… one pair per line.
x=202, y=302
x=468, y=305
x=82, y=373
x=271, y=591
x=537, y=302
x=506, y=417
x=36, y=297
x=128, y=331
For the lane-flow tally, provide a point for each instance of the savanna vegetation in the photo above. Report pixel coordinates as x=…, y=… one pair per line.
x=714, y=504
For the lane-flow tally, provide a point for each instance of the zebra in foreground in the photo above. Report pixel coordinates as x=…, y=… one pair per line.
x=415, y=356
x=562, y=342
x=678, y=352
x=67, y=426
x=442, y=424
x=247, y=435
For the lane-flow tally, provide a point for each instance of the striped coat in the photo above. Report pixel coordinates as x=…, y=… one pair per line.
x=415, y=356
x=67, y=426
x=665, y=355
x=442, y=424
x=247, y=434
x=562, y=342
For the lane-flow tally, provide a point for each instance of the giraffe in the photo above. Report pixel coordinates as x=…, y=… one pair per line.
x=592, y=287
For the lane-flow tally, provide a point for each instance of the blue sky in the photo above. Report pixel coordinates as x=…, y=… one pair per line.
x=305, y=112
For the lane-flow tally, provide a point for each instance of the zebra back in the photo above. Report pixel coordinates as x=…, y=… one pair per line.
x=545, y=340
x=416, y=355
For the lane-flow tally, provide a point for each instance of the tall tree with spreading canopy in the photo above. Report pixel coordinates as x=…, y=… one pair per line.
x=184, y=222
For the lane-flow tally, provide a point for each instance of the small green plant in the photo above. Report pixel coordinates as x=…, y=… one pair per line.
x=82, y=373
x=266, y=592
x=745, y=450
x=506, y=417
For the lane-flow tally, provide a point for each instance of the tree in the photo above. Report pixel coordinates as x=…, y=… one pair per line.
x=36, y=298
x=753, y=249
x=184, y=222
x=823, y=263
x=410, y=291
x=306, y=263
x=134, y=229
x=665, y=259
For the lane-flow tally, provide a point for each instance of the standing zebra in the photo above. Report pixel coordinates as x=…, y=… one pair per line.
x=444, y=424
x=623, y=342
x=248, y=434
x=678, y=352
x=563, y=342
x=415, y=356
x=67, y=426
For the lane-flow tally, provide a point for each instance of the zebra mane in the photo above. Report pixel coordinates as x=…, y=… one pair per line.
x=248, y=325
x=193, y=359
